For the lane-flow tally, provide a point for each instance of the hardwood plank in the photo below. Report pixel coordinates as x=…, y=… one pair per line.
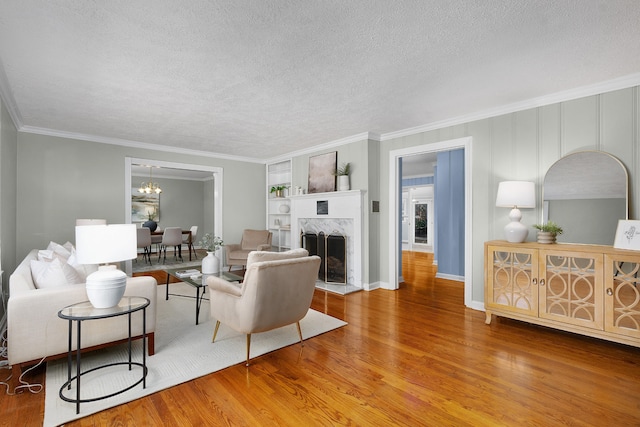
x=415, y=356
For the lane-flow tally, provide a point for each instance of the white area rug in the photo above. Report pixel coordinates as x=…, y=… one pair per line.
x=183, y=352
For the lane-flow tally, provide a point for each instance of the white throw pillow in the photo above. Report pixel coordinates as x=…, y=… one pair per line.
x=49, y=274
x=83, y=269
x=46, y=255
x=62, y=250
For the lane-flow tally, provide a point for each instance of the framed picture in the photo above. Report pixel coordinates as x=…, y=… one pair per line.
x=627, y=235
x=322, y=207
x=322, y=170
x=142, y=204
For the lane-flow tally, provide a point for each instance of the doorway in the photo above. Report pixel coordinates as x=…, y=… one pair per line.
x=396, y=204
x=214, y=222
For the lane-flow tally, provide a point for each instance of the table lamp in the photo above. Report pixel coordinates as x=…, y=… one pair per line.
x=83, y=221
x=515, y=195
x=103, y=244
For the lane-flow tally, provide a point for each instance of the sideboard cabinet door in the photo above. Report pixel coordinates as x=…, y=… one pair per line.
x=570, y=287
x=622, y=295
x=511, y=280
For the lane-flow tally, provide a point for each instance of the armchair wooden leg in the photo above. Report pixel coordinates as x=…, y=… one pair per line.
x=300, y=333
x=248, y=348
x=215, y=331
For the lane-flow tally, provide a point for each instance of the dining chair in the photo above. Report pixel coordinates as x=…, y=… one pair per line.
x=172, y=236
x=190, y=239
x=144, y=241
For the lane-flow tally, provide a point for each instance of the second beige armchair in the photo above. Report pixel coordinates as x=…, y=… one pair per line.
x=252, y=240
x=277, y=291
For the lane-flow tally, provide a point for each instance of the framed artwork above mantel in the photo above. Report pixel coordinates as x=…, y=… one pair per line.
x=322, y=173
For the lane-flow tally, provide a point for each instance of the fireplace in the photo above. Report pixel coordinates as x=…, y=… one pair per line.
x=338, y=216
x=332, y=250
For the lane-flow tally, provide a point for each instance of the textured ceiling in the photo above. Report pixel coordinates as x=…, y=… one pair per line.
x=262, y=78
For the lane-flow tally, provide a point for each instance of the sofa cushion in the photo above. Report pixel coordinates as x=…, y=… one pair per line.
x=239, y=254
x=48, y=274
x=251, y=239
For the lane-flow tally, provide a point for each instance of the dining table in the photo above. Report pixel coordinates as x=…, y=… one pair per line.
x=159, y=232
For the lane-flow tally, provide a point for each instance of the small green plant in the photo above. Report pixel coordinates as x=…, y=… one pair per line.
x=211, y=243
x=277, y=188
x=344, y=169
x=549, y=227
x=151, y=215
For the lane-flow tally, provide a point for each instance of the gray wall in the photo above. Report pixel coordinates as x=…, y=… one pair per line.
x=181, y=202
x=522, y=146
x=8, y=155
x=62, y=179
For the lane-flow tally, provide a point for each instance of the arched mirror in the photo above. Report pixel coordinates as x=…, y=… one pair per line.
x=586, y=194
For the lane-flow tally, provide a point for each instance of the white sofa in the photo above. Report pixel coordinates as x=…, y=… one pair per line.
x=34, y=330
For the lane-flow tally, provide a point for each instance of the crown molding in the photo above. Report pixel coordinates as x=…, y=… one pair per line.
x=328, y=145
x=624, y=82
x=568, y=95
x=6, y=96
x=134, y=144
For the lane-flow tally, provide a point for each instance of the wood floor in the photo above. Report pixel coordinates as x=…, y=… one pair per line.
x=410, y=357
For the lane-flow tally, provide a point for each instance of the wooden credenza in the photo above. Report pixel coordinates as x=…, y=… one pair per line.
x=592, y=290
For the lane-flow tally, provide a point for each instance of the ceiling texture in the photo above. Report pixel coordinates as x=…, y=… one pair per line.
x=258, y=79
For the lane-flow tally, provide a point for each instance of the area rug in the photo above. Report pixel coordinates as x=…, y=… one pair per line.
x=183, y=352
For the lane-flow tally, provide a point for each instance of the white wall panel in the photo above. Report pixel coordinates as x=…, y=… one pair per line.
x=524, y=145
x=580, y=125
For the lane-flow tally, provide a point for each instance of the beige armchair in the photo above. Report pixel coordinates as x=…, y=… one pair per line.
x=276, y=291
x=252, y=240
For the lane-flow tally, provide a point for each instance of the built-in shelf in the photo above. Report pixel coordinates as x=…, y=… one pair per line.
x=279, y=208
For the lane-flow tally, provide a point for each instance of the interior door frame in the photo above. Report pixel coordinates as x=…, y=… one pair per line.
x=216, y=172
x=395, y=243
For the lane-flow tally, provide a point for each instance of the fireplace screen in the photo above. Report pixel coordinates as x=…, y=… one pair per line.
x=332, y=250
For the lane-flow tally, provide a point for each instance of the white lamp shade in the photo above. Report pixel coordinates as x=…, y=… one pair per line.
x=91, y=222
x=521, y=194
x=101, y=244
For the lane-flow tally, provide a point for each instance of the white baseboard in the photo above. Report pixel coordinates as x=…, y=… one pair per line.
x=450, y=277
x=371, y=286
x=477, y=305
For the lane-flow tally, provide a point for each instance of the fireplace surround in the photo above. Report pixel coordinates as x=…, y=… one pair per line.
x=333, y=213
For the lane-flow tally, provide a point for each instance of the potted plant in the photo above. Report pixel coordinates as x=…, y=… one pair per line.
x=211, y=263
x=343, y=176
x=547, y=232
x=151, y=224
x=279, y=190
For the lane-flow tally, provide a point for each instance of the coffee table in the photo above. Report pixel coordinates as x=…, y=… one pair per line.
x=199, y=284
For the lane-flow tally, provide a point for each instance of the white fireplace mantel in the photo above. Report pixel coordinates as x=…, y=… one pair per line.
x=344, y=212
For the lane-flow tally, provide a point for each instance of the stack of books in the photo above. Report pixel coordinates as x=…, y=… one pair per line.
x=187, y=273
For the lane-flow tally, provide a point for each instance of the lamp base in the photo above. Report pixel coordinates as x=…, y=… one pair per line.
x=515, y=231
x=106, y=286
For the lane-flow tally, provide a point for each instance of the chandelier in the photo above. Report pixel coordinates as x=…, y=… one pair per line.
x=150, y=187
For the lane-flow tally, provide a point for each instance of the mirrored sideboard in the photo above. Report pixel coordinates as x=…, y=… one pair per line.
x=586, y=289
